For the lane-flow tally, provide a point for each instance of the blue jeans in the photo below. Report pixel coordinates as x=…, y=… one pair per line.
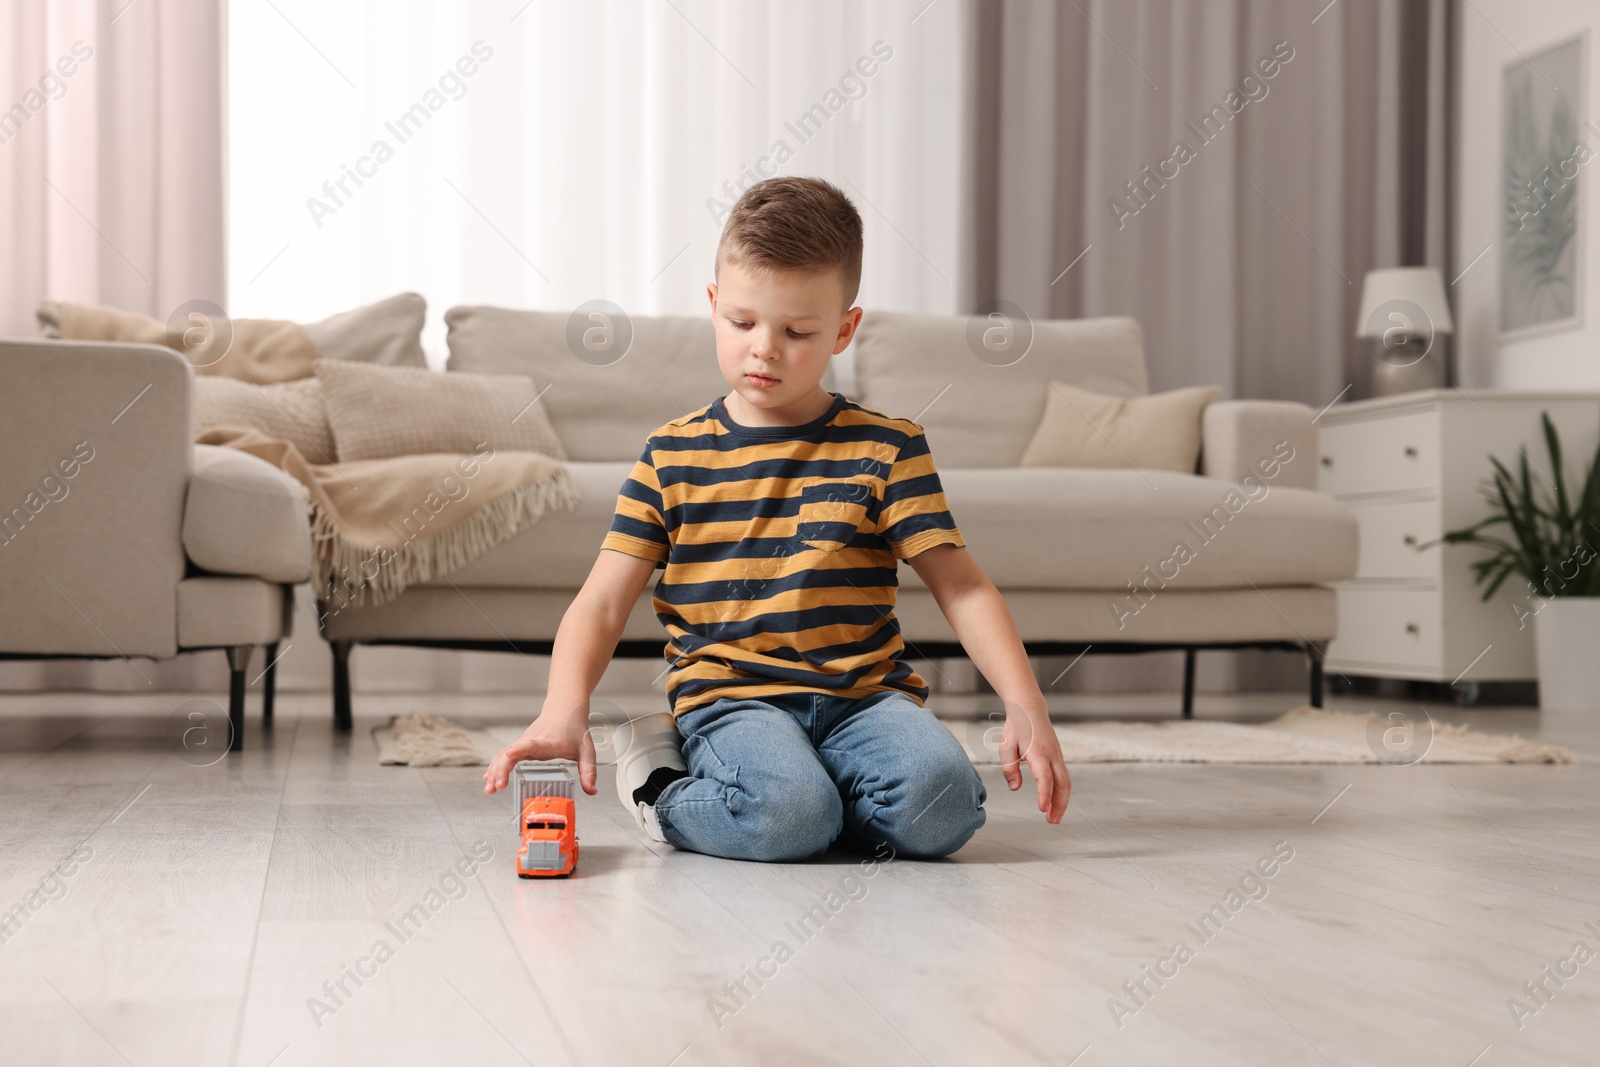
x=784, y=777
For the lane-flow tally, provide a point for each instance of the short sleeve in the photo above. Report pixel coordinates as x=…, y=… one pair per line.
x=915, y=515
x=637, y=528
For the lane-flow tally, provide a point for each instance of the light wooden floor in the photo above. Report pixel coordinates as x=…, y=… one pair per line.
x=210, y=904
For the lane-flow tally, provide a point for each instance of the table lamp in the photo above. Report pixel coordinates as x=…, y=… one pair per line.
x=1406, y=319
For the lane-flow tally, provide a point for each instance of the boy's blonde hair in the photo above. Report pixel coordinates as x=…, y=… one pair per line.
x=795, y=224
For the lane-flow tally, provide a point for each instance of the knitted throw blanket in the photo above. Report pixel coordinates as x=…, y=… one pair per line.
x=381, y=525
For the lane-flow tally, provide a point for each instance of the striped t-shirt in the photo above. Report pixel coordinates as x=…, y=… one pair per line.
x=780, y=546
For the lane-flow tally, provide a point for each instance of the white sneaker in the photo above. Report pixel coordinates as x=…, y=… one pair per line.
x=645, y=815
x=643, y=746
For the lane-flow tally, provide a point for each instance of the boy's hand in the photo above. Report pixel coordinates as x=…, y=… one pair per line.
x=1029, y=736
x=553, y=735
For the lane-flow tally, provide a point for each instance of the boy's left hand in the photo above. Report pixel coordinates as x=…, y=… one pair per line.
x=1029, y=736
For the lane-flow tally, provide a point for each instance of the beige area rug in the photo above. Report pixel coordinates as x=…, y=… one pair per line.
x=417, y=740
x=1301, y=735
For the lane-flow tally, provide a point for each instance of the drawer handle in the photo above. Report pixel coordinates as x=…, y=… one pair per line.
x=1411, y=451
x=1327, y=461
x=1410, y=539
x=1413, y=629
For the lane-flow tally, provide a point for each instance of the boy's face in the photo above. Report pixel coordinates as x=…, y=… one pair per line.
x=783, y=327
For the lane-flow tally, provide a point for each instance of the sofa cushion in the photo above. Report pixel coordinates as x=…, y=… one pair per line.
x=387, y=331
x=558, y=552
x=215, y=612
x=288, y=411
x=1081, y=428
x=1067, y=528
x=1040, y=528
x=382, y=412
x=602, y=406
x=244, y=516
x=979, y=412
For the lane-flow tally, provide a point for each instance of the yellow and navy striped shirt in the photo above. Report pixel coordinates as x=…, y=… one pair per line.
x=779, y=545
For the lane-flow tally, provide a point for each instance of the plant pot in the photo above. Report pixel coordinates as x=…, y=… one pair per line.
x=1566, y=635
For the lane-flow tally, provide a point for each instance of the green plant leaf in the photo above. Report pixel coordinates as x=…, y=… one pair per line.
x=1549, y=535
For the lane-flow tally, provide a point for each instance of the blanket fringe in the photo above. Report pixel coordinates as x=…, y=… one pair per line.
x=353, y=575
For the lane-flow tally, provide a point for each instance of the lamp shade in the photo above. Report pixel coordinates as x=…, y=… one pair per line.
x=1396, y=296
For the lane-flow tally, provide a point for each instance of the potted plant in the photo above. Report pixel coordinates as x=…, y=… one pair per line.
x=1553, y=545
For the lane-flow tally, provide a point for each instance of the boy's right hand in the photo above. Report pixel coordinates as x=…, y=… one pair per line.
x=553, y=735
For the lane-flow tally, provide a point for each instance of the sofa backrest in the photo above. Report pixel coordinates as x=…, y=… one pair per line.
x=983, y=412
x=602, y=407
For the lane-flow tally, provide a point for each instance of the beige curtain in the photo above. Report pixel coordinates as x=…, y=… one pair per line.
x=111, y=192
x=1244, y=264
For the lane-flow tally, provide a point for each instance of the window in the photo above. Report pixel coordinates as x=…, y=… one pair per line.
x=548, y=155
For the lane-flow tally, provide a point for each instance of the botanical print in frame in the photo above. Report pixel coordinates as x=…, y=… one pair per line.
x=1543, y=155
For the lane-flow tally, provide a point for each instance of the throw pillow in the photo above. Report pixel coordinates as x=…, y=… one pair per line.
x=288, y=411
x=379, y=412
x=1002, y=394
x=654, y=368
x=1084, y=429
x=388, y=332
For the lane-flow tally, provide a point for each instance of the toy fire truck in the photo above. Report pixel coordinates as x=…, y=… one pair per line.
x=547, y=818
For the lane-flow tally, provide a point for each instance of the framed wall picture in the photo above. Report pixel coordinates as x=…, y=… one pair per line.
x=1544, y=150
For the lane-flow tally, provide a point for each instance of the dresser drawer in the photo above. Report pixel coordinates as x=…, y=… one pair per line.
x=1394, y=628
x=1385, y=454
x=1390, y=534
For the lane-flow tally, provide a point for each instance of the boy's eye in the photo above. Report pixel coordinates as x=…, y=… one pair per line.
x=796, y=334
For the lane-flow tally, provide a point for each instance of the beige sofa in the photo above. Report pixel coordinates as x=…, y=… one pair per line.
x=121, y=538
x=1084, y=557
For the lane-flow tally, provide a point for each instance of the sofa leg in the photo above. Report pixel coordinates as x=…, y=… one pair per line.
x=341, y=685
x=238, y=664
x=1316, y=651
x=269, y=684
x=1188, y=683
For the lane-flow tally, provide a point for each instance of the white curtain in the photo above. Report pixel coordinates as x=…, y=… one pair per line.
x=111, y=192
x=581, y=156
x=1242, y=263
x=111, y=155
x=559, y=153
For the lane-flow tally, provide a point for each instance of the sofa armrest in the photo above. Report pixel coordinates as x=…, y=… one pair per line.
x=1275, y=439
x=94, y=463
x=245, y=516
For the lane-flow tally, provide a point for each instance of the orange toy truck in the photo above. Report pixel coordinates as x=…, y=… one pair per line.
x=548, y=820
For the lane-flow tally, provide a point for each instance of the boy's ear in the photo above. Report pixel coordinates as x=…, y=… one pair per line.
x=847, y=330
x=711, y=294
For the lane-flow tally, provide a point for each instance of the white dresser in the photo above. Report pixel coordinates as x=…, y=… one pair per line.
x=1410, y=467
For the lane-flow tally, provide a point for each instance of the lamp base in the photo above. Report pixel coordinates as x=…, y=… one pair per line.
x=1408, y=364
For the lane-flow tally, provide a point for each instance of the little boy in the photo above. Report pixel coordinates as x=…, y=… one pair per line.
x=779, y=512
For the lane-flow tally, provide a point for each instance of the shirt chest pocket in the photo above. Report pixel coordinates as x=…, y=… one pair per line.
x=833, y=512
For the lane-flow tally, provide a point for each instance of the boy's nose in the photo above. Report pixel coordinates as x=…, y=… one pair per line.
x=763, y=342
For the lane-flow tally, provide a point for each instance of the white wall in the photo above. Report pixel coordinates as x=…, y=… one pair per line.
x=1492, y=33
